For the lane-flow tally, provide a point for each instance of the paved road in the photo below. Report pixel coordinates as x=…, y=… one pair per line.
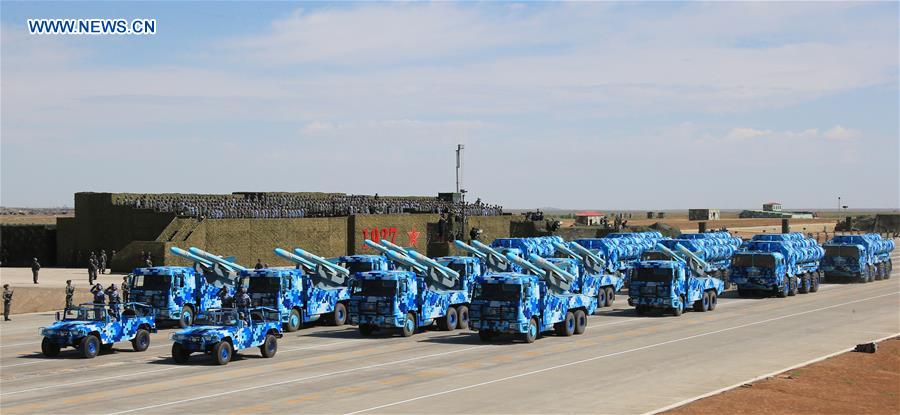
x=622, y=364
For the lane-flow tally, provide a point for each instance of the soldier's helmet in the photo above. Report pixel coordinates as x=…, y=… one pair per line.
x=68, y=281
x=112, y=287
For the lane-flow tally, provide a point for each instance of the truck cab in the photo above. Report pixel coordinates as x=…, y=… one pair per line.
x=672, y=285
x=761, y=271
x=357, y=264
x=386, y=299
x=846, y=260
x=90, y=329
x=177, y=293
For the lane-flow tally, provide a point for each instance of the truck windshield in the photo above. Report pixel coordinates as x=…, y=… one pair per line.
x=751, y=260
x=459, y=268
x=655, y=256
x=844, y=251
x=152, y=282
x=84, y=314
x=218, y=318
x=357, y=267
x=653, y=274
x=264, y=285
x=376, y=288
x=498, y=292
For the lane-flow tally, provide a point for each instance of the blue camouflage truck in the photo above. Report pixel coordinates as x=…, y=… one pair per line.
x=777, y=264
x=861, y=258
x=672, y=281
x=425, y=294
x=222, y=332
x=527, y=305
x=90, y=329
x=589, y=267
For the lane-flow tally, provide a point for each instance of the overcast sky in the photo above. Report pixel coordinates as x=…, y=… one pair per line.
x=597, y=105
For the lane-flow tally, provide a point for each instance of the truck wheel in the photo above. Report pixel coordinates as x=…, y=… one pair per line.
x=293, y=321
x=804, y=284
x=409, y=325
x=793, y=290
x=713, y=300
x=879, y=272
x=141, y=340
x=566, y=327
x=783, y=291
x=814, y=284
x=677, y=311
x=339, y=316
x=179, y=353
x=49, y=347
x=448, y=322
x=580, y=321
x=890, y=266
x=269, y=347
x=187, y=316
x=90, y=346
x=366, y=330
x=702, y=304
x=532, y=334
x=462, y=313
x=486, y=335
x=871, y=269
x=222, y=352
x=610, y=296
x=601, y=298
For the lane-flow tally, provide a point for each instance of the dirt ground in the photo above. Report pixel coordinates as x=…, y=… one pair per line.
x=31, y=219
x=851, y=383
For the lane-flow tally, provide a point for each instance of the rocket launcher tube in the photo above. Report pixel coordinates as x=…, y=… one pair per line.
x=565, y=249
x=378, y=247
x=394, y=247
x=449, y=273
x=462, y=245
x=407, y=261
x=217, y=259
x=587, y=252
x=489, y=251
x=524, y=264
x=543, y=263
x=669, y=252
x=321, y=261
x=187, y=255
x=295, y=258
x=693, y=256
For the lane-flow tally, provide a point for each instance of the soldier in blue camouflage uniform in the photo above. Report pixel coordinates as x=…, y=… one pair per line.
x=114, y=301
x=242, y=303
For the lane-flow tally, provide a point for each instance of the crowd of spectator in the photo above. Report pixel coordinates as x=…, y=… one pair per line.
x=286, y=205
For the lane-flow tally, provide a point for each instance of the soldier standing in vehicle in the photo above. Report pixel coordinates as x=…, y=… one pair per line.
x=259, y=264
x=242, y=302
x=114, y=301
x=7, y=301
x=99, y=296
x=227, y=300
x=70, y=292
x=125, y=289
x=35, y=268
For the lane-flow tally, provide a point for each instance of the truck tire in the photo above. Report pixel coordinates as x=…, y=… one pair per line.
x=532, y=333
x=702, y=304
x=409, y=325
x=463, y=314
x=816, y=279
x=610, y=296
x=890, y=267
x=804, y=284
x=793, y=290
x=486, y=335
x=677, y=311
x=187, y=316
x=879, y=272
x=293, y=322
x=448, y=322
x=49, y=347
x=339, y=315
x=580, y=321
x=601, y=298
x=783, y=290
x=222, y=353
x=179, y=354
x=269, y=347
x=90, y=346
x=366, y=330
x=713, y=300
x=871, y=269
x=141, y=340
x=566, y=327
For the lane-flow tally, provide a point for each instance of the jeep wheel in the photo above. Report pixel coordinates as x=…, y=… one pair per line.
x=222, y=352
x=269, y=347
x=141, y=340
x=180, y=354
x=90, y=346
x=49, y=347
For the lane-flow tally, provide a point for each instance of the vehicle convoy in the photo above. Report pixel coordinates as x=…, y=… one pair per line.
x=528, y=305
x=183, y=293
x=90, y=329
x=862, y=258
x=779, y=264
x=715, y=251
x=494, y=256
x=589, y=267
x=621, y=251
x=316, y=290
x=222, y=332
x=425, y=294
x=673, y=280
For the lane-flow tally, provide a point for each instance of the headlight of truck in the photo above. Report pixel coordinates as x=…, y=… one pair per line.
x=178, y=337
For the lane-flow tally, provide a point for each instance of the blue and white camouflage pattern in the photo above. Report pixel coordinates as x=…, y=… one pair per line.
x=291, y=289
x=590, y=284
x=534, y=300
x=778, y=262
x=861, y=257
x=185, y=287
x=621, y=250
x=675, y=287
x=227, y=325
x=74, y=324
